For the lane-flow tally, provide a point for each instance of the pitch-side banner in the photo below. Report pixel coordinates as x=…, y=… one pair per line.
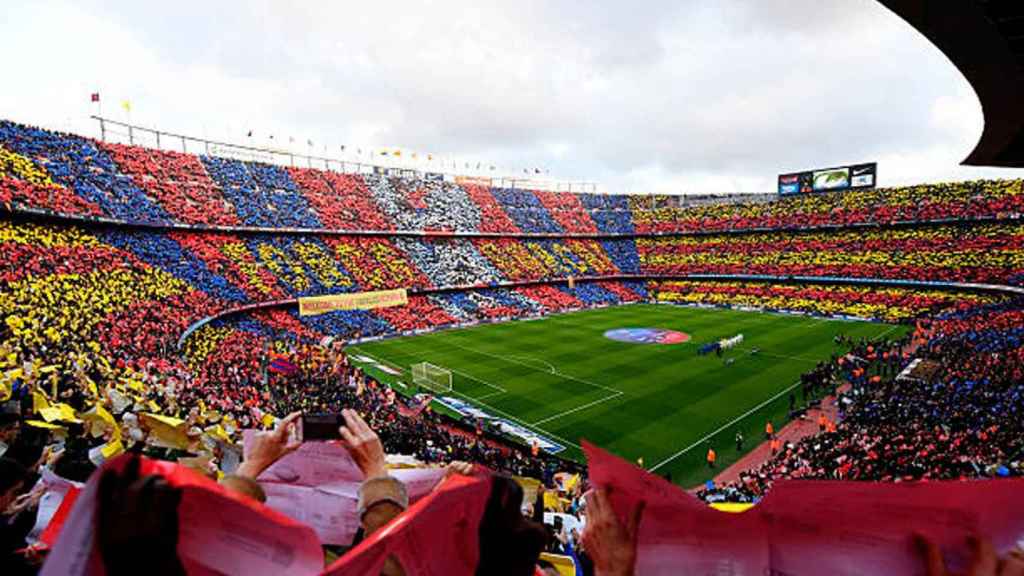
x=356, y=301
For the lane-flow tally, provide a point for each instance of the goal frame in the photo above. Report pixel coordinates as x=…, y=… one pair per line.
x=432, y=377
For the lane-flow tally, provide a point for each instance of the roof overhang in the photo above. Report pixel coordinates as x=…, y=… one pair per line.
x=985, y=40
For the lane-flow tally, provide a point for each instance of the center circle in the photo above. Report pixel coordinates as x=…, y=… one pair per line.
x=647, y=336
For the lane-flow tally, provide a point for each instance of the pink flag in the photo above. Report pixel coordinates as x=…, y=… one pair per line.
x=437, y=536
x=805, y=528
x=318, y=485
x=218, y=531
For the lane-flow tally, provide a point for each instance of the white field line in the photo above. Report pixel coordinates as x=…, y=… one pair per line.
x=887, y=332
x=489, y=395
x=723, y=427
x=512, y=360
x=380, y=360
x=614, y=393
x=475, y=379
x=578, y=408
x=780, y=356
x=492, y=408
x=551, y=367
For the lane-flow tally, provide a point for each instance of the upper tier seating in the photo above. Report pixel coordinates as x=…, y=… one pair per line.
x=74, y=175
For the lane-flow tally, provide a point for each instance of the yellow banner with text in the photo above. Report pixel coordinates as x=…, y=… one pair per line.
x=356, y=301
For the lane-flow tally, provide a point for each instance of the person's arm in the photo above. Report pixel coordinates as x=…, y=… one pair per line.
x=363, y=444
x=381, y=497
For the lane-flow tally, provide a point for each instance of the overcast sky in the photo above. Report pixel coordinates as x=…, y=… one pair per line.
x=664, y=96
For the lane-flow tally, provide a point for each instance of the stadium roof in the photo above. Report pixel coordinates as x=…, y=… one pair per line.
x=985, y=40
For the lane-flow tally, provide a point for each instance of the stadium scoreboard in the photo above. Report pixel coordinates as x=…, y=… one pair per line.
x=854, y=176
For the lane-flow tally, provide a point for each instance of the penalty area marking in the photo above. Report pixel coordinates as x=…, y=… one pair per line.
x=551, y=367
x=514, y=361
x=485, y=396
x=723, y=427
x=535, y=426
x=495, y=410
x=499, y=389
x=517, y=420
x=614, y=393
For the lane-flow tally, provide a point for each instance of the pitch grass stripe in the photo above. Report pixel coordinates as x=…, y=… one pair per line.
x=556, y=373
x=579, y=408
x=723, y=427
x=443, y=358
x=485, y=396
x=541, y=431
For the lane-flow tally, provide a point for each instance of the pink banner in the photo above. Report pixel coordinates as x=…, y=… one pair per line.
x=808, y=528
x=437, y=536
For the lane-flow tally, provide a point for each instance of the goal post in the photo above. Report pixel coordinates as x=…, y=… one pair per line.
x=433, y=378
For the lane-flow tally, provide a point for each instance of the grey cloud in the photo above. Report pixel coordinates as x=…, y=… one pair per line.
x=722, y=91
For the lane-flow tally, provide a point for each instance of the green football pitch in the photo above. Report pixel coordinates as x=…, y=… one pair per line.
x=563, y=379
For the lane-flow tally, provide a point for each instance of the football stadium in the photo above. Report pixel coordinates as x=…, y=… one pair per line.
x=245, y=351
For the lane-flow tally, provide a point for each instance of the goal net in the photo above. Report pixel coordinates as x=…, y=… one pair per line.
x=432, y=377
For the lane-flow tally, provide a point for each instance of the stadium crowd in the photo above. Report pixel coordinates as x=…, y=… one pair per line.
x=878, y=303
x=961, y=201
x=964, y=252
x=70, y=174
x=90, y=366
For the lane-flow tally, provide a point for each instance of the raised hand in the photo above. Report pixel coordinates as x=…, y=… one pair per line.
x=269, y=447
x=363, y=444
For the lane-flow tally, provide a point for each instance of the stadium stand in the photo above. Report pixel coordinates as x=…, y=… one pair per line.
x=966, y=252
x=881, y=303
x=935, y=202
x=170, y=325
x=179, y=182
x=341, y=201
